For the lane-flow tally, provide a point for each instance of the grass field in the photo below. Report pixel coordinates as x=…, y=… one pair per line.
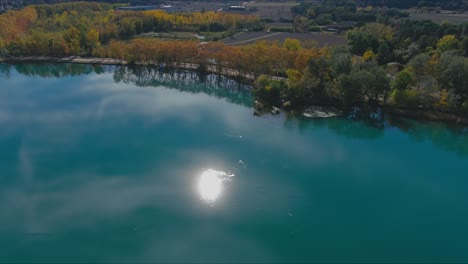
x=246, y=38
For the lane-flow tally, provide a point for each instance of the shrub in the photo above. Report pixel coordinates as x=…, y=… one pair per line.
x=405, y=98
x=448, y=100
x=281, y=29
x=464, y=107
x=286, y=20
x=314, y=29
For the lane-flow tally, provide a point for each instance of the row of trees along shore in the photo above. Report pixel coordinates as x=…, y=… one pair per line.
x=401, y=63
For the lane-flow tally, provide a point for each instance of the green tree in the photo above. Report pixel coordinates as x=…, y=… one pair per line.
x=426, y=41
x=341, y=63
x=360, y=42
x=404, y=80
x=420, y=64
x=384, y=53
x=370, y=82
x=268, y=90
x=378, y=85
x=451, y=73
x=406, y=98
x=465, y=46
x=319, y=68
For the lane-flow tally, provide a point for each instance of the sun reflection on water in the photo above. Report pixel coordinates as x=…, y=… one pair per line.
x=210, y=184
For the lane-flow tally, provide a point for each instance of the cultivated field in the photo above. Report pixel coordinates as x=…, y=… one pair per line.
x=270, y=10
x=438, y=18
x=246, y=38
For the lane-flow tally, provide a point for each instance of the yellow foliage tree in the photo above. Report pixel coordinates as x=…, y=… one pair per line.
x=293, y=76
x=92, y=39
x=369, y=55
x=448, y=42
x=292, y=44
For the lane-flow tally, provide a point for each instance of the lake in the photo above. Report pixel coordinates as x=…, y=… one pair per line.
x=113, y=164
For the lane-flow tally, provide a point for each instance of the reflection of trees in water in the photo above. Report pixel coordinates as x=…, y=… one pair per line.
x=362, y=123
x=187, y=81
x=5, y=71
x=54, y=70
x=364, y=126
x=447, y=137
x=355, y=129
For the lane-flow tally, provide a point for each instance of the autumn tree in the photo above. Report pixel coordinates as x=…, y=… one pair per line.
x=448, y=42
x=92, y=41
x=72, y=37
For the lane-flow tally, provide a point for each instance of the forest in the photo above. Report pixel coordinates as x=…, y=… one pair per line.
x=396, y=63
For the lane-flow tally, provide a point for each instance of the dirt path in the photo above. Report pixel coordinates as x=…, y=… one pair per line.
x=253, y=39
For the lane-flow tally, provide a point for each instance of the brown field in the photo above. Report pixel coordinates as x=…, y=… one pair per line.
x=246, y=38
x=439, y=18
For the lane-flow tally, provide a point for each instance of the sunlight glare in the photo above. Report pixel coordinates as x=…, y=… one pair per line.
x=210, y=184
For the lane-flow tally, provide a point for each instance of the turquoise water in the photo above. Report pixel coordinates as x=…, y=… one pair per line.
x=104, y=164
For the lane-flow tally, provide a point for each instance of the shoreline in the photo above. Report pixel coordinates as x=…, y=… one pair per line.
x=111, y=61
x=427, y=115
x=417, y=114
